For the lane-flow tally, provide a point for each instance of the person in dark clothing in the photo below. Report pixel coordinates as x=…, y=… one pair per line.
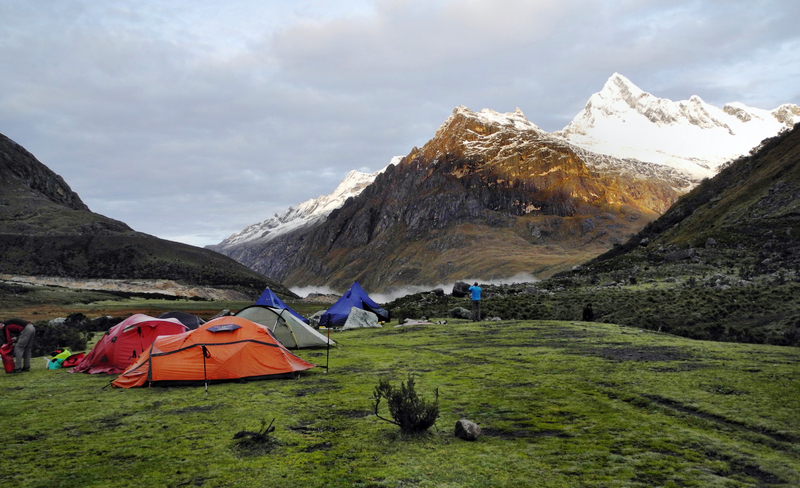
x=20, y=333
x=476, y=302
x=588, y=314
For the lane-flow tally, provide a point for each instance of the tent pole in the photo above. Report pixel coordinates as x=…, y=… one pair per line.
x=328, y=351
x=206, y=354
x=296, y=342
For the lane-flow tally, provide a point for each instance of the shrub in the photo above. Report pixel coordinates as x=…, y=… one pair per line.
x=51, y=337
x=460, y=313
x=410, y=412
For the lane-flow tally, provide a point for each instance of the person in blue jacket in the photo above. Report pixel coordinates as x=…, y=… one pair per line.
x=476, y=301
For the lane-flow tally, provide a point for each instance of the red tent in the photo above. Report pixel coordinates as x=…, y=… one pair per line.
x=225, y=348
x=125, y=342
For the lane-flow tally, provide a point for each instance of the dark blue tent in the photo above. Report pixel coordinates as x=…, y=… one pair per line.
x=270, y=299
x=337, y=315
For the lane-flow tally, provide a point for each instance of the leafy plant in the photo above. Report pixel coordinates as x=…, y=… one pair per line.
x=409, y=411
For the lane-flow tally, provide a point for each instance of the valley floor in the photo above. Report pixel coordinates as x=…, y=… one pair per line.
x=560, y=403
x=141, y=286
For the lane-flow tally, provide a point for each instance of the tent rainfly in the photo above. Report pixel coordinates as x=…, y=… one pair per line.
x=222, y=349
x=187, y=319
x=285, y=327
x=336, y=316
x=125, y=342
x=270, y=299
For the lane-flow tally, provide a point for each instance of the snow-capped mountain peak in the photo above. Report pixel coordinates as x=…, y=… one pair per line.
x=512, y=120
x=690, y=135
x=305, y=213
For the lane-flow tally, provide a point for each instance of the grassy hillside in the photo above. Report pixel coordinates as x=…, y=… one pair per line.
x=713, y=306
x=560, y=404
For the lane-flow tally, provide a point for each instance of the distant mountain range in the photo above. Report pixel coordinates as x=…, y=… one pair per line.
x=489, y=196
x=47, y=231
x=526, y=201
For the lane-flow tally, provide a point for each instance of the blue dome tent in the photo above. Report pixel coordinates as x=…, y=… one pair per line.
x=337, y=315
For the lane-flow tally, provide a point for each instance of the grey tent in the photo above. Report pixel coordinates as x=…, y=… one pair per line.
x=288, y=329
x=360, y=319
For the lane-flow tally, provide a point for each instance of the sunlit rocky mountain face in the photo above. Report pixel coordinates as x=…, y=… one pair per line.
x=491, y=195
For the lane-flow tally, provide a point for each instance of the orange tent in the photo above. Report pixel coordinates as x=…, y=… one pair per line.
x=125, y=342
x=225, y=348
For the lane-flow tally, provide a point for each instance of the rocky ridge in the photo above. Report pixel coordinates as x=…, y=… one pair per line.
x=490, y=195
x=20, y=165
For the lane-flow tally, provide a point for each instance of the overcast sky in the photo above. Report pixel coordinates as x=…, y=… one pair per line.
x=191, y=119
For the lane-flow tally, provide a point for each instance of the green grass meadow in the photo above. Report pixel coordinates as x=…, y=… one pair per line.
x=559, y=403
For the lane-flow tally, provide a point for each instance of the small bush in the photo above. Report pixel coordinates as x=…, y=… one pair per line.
x=459, y=313
x=51, y=337
x=410, y=412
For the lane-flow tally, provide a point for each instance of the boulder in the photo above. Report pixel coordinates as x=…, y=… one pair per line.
x=467, y=430
x=680, y=255
x=360, y=319
x=438, y=292
x=460, y=313
x=587, y=225
x=460, y=289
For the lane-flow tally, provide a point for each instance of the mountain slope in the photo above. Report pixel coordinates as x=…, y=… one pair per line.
x=620, y=128
x=46, y=230
x=721, y=264
x=690, y=135
x=300, y=216
x=491, y=195
x=750, y=209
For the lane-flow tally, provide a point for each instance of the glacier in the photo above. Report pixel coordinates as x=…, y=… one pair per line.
x=689, y=135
